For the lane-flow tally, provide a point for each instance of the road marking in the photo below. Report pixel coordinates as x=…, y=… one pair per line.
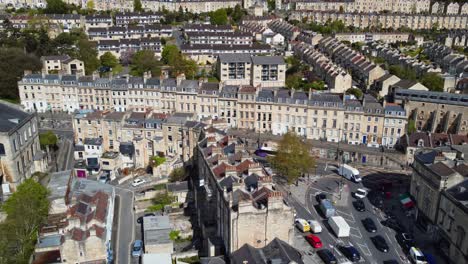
x=367, y=251
x=388, y=237
x=358, y=232
x=346, y=216
x=320, y=190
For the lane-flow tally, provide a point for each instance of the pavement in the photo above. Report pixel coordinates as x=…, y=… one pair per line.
x=302, y=198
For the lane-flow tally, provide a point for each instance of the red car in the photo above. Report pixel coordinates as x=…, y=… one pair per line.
x=314, y=241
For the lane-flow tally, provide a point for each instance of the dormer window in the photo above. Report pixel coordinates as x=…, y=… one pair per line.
x=420, y=143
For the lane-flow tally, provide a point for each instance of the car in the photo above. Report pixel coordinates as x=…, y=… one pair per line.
x=137, y=248
x=369, y=225
x=104, y=178
x=327, y=256
x=360, y=193
x=405, y=240
x=138, y=182
x=350, y=253
x=390, y=261
x=416, y=256
x=359, y=206
x=320, y=196
x=393, y=224
x=380, y=243
x=314, y=241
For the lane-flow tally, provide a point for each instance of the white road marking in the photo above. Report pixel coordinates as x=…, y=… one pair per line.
x=321, y=190
x=367, y=251
x=388, y=237
x=358, y=235
x=346, y=216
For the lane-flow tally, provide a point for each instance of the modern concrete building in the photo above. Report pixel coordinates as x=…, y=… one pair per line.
x=156, y=230
x=20, y=150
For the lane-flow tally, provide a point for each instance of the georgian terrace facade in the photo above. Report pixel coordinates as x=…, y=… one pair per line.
x=322, y=116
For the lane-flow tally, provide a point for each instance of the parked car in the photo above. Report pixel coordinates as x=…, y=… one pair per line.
x=390, y=261
x=302, y=225
x=320, y=196
x=360, y=193
x=314, y=241
x=327, y=256
x=138, y=182
x=359, y=206
x=380, y=243
x=104, y=178
x=416, y=256
x=369, y=225
x=137, y=249
x=315, y=226
x=394, y=224
x=405, y=240
x=351, y=253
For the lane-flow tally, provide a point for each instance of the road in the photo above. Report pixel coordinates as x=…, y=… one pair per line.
x=306, y=207
x=125, y=232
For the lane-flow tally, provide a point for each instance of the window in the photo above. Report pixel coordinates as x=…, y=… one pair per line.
x=460, y=236
x=110, y=132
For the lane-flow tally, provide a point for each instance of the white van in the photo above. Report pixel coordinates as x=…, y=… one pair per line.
x=315, y=226
x=416, y=256
x=349, y=173
x=302, y=225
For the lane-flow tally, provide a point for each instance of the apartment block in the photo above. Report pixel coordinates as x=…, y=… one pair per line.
x=138, y=18
x=337, y=79
x=199, y=6
x=395, y=122
x=395, y=6
x=129, y=32
x=208, y=53
x=246, y=208
x=121, y=46
x=362, y=70
x=223, y=38
x=386, y=37
x=20, y=151
x=208, y=28
x=234, y=69
x=98, y=21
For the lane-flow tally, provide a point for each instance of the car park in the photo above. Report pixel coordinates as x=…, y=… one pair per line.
x=369, y=225
x=350, y=253
x=359, y=206
x=360, y=193
x=380, y=243
x=137, y=248
x=314, y=241
x=138, y=182
x=327, y=256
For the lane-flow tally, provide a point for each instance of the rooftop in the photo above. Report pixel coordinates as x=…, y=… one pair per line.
x=11, y=116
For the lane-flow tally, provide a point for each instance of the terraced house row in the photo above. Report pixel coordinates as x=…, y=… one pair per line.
x=386, y=21
x=324, y=116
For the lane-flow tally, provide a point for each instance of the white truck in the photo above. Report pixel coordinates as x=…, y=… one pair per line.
x=349, y=173
x=339, y=226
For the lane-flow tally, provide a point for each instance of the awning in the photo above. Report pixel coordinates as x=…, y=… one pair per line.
x=406, y=201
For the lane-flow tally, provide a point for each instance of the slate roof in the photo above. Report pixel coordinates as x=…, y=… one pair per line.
x=11, y=117
x=234, y=57
x=277, y=251
x=268, y=60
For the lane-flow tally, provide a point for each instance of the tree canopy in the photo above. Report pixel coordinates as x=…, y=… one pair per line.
x=55, y=7
x=433, y=81
x=355, y=91
x=137, y=7
x=177, y=174
x=143, y=61
x=26, y=210
x=219, y=17
x=293, y=157
x=109, y=60
x=88, y=54
x=172, y=57
x=47, y=138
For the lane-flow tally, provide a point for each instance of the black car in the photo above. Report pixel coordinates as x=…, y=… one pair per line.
x=394, y=224
x=321, y=196
x=327, y=256
x=390, y=261
x=369, y=225
x=405, y=240
x=380, y=243
x=351, y=253
x=359, y=205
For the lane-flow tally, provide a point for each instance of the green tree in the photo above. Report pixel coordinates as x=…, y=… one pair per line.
x=55, y=7
x=143, y=61
x=293, y=81
x=402, y=72
x=137, y=7
x=355, y=91
x=109, y=60
x=271, y=5
x=170, y=54
x=177, y=174
x=12, y=71
x=47, y=140
x=88, y=54
x=411, y=126
x=237, y=14
x=26, y=210
x=293, y=157
x=90, y=5
x=433, y=81
x=219, y=17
